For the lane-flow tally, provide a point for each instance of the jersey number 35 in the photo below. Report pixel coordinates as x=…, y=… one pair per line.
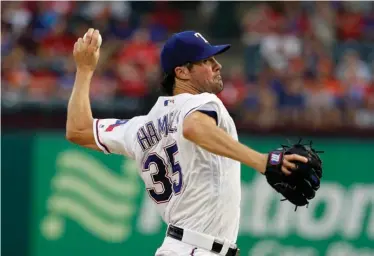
x=161, y=176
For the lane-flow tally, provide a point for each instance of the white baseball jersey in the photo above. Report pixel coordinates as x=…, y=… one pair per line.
x=191, y=187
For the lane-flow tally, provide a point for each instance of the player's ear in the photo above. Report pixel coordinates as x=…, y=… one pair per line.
x=182, y=73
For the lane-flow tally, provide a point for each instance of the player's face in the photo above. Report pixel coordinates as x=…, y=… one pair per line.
x=206, y=76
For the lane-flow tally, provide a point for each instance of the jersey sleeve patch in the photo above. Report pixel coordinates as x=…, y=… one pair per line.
x=115, y=136
x=116, y=124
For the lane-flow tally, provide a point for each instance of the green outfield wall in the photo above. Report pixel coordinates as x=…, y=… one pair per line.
x=60, y=199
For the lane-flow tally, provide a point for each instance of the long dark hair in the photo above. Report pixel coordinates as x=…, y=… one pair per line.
x=168, y=81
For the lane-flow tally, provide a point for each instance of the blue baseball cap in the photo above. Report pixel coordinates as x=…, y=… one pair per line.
x=187, y=46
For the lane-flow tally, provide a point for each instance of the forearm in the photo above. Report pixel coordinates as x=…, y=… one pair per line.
x=79, y=114
x=217, y=141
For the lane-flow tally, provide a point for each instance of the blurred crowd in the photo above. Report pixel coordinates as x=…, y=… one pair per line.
x=309, y=63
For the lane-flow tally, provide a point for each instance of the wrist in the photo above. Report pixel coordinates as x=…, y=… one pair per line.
x=85, y=71
x=258, y=161
x=83, y=78
x=260, y=165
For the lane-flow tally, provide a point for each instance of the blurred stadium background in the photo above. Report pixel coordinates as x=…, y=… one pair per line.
x=295, y=69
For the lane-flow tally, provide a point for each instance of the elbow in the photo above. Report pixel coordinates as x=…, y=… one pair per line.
x=75, y=133
x=70, y=132
x=71, y=135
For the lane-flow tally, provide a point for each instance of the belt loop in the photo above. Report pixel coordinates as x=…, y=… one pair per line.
x=169, y=229
x=225, y=248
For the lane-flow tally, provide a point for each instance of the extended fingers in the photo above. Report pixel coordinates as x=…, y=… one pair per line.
x=285, y=171
x=289, y=165
x=295, y=157
x=89, y=36
x=78, y=45
x=288, y=162
x=95, y=38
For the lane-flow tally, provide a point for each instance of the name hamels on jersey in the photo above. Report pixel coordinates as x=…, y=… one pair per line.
x=191, y=187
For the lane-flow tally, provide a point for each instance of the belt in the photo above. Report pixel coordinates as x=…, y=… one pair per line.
x=203, y=241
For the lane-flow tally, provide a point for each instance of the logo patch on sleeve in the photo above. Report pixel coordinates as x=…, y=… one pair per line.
x=167, y=102
x=116, y=124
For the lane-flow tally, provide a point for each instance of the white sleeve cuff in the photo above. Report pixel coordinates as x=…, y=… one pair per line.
x=98, y=141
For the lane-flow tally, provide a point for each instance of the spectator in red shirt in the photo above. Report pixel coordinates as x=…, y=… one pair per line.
x=349, y=25
x=167, y=16
x=140, y=50
x=58, y=41
x=131, y=81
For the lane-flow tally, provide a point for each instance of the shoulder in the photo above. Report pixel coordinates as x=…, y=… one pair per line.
x=206, y=103
x=206, y=95
x=204, y=98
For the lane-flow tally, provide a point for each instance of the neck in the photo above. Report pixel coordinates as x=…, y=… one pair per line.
x=183, y=87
